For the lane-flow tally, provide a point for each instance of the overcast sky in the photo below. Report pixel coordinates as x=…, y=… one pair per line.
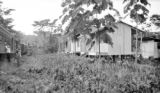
x=28, y=11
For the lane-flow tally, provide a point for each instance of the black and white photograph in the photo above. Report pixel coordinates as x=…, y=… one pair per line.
x=79, y=46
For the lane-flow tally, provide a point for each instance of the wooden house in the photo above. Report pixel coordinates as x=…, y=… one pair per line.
x=7, y=37
x=124, y=42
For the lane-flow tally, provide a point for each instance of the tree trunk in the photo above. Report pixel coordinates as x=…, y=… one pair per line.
x=99, y=46
x=136, y=54
x=136, y=47
x=74, y=44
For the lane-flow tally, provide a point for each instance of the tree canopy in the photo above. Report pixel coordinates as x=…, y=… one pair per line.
x=46, y=25
x=155, y=19
x=137, y=9
x=46, y=34
x=82, y=19
x=4, y=20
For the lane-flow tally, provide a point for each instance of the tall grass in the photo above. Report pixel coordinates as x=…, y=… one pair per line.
x=60, y=73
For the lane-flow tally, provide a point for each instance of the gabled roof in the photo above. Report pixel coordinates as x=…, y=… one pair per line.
x=131, y=26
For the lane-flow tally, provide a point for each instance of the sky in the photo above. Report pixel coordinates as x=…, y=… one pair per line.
x=28, y=11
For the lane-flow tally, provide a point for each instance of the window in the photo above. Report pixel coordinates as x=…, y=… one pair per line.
x=133, y=39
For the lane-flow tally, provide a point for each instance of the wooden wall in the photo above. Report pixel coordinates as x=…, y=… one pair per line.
x=149, y=49
x=121, y=39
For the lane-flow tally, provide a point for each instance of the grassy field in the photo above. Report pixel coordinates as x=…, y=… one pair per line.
x=60, y=73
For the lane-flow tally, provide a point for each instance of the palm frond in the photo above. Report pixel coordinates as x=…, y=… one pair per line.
x=129, y=5
x=125, y=1
x=116, y=11
x=100, y=34
x=91, y=45
x=106, y=38
x=89, y=40
x=78, y=3
x=54, y=21
x=145, y=2
x=8, y=11
x=65, y=10
x=65, y=19
x=65, y=3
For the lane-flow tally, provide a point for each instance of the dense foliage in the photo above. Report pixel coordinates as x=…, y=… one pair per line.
x=5, y=21
x=71, y=74
x=137, y=10
x=83, y=15
x=155, y=19
x=48, y=36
